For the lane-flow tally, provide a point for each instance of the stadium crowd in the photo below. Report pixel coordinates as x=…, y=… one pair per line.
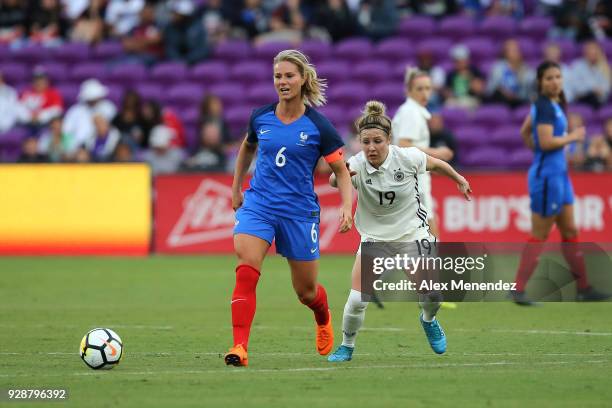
x=98, y=126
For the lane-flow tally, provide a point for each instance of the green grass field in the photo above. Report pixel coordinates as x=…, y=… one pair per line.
x=173, y=316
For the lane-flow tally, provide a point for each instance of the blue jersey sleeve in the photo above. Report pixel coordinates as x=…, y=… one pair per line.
x=330, y=139
x=252, y=130
x=544, y=112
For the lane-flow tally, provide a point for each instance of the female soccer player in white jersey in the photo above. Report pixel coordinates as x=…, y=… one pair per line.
x=378, y=169
x=289, y=137
x=410, y=129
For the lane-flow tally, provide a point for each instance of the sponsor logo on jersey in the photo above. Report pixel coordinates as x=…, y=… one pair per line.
x=369, y=181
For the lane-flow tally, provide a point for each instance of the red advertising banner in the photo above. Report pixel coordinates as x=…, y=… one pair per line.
x=193, y=213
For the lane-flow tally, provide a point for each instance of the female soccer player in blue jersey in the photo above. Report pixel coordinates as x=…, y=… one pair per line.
x=550, y=188
x=289, y=137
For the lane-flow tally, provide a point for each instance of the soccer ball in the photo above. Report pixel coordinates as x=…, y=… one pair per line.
x=101, y=349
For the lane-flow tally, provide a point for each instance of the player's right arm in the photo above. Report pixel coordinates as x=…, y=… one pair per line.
x=526, y=128
x=545, y=113
x=243, y=162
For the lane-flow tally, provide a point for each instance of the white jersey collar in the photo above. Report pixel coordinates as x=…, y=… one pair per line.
x=384, y=166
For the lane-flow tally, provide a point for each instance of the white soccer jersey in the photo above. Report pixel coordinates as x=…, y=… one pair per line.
x=389, y=204
x=410, y=123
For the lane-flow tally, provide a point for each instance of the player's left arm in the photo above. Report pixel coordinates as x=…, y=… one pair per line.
x=441, y=167
x=343, y=181
x=526, y=129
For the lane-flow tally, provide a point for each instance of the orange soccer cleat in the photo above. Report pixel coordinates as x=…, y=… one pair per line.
x=237, y=356
x=325, y=337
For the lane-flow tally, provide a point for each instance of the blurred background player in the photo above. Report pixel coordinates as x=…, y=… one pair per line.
x=398, y=217
x=550, y=189
x=289, y=137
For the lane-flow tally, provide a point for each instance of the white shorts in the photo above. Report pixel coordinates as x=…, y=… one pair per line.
x=421, y=234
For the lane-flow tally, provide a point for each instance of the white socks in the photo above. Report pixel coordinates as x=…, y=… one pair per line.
x=352, y=320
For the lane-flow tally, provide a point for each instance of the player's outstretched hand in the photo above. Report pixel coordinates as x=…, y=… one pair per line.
x=237, y=199
x=465, y=189
x=346, y=220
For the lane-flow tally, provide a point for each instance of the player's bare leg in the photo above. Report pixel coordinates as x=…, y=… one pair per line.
x=251, y=252
x=304, y=279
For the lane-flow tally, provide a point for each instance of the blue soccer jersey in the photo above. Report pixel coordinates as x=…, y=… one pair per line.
x=549, y=162
x=287, y=155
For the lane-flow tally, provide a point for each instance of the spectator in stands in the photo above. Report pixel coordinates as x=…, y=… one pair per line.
x=145, y=42
x=210, y=156
x=440, y=136
x=589, y=79
x=598, y=155
x=41, y=102
x=608, y=132
x=213, y=17
x=47, y=25
x=425, y=62
x=122, y=16
x=378, y=18
x=552, y=52
x=107, y=138
x=53, y=142
x=128, y=120
x=88, y=27
x=89, y=117
x=9, y=106
x=211, y=109
x=82, y=155
x=511, y=79
x=29, y=152
x=151, y=116
x=434, y=8
x=123, y=153
x=288, y=22
x=575, y=151
x=336, y=18
x=465, y=84
x=185, y=38
x=13, y=19
x=162, y=157
x=250, y=17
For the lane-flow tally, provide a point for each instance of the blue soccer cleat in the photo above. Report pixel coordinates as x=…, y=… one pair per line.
x=343, y=353
x=435, y=335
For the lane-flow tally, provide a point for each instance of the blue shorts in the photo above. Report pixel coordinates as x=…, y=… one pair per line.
x=296, y=240
x=550, y=193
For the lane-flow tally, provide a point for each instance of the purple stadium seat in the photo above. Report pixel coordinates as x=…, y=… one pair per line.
x=606, y=45
x=71, y=53
x=394, y=49
x=317, y=51
x=5, y=52
x=69, y=92
x=353, y=49
x=31, y=55
x=417, y=27
x=229, y=93
x=497, y=27
x=55, y=71
x=13, y=137
x=252, y=71
x=438, y=47
x=506, y=136
x=86, y=70
x=569, y=50
x=233, y=50
x=168, y=72
x=605, y=113
x=190, y=116
x=348, y=94
x=267, y=51
x=371, y=72
x=127, y=74
x=519, y=114
x=10, y=154
x=457, y=27
x=486, y=157
x=191, y=138
x=335, y=114
x=481, y=49
x=583, y=110
x=334, y=71
x=261, y=94
x=183, y=95
x=208, y=73
x=14, y=73
x=454, y=117
x=150, y=91
x=529, y=48
x=535, y=27
x=520, y=158
x=108, y=50
x=492, y=115
x=115, y=94
x=237, y=118
x=390, y=93
x=471, y=136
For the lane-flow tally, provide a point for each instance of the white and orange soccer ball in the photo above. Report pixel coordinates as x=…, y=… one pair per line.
x=101, y=349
